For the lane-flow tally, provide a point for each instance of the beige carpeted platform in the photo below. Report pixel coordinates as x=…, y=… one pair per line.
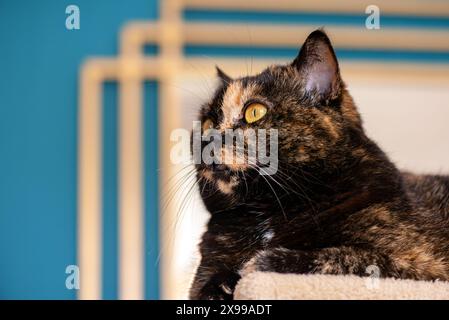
x=267, y=285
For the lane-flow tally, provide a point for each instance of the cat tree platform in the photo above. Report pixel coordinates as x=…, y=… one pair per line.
x=268, y=285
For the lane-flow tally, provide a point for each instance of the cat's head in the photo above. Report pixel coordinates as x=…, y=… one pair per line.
x=305, y=101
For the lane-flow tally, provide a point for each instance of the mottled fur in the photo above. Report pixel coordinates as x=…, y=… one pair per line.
x=336, y=205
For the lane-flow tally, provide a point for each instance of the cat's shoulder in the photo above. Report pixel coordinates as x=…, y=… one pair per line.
x=429, y=191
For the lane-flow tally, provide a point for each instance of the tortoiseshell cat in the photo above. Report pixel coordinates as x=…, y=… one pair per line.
x=336, y=205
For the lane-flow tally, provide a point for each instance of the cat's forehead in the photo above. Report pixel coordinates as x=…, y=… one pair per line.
x=236, y=95
x=227, y=105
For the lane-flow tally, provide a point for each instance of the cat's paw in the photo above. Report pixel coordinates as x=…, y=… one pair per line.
x=261, y=261
x=279, y=260
x=219, y=287
x=213, y=291
x=250, y=266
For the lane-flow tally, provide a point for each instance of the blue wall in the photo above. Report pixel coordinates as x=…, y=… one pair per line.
x=39, y=64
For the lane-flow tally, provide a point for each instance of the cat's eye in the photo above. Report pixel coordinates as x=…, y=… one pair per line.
x=254, y=112
x=207, y=125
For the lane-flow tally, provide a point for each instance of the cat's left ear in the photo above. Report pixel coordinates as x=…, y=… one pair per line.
x=223, y=76
x=318, y=68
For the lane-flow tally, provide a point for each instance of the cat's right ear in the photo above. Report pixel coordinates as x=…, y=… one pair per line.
x=223, y=76
x=318, y=68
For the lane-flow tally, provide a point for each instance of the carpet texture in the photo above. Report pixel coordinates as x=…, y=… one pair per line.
x=271, y=286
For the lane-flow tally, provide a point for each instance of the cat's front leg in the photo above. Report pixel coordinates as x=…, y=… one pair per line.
x=212, y=284
x=220, y=286
x=337, y=260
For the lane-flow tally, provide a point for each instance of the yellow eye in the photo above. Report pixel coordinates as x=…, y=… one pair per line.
x=255, y=112
x=207, y=125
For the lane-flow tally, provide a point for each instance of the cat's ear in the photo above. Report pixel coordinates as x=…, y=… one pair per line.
x=223, y=76
x=318, y=68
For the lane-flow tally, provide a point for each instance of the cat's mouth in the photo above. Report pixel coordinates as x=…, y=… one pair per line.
x=222, y=176
x=215, y=172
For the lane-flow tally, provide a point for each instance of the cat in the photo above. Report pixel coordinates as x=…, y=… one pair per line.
x=336, y=205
